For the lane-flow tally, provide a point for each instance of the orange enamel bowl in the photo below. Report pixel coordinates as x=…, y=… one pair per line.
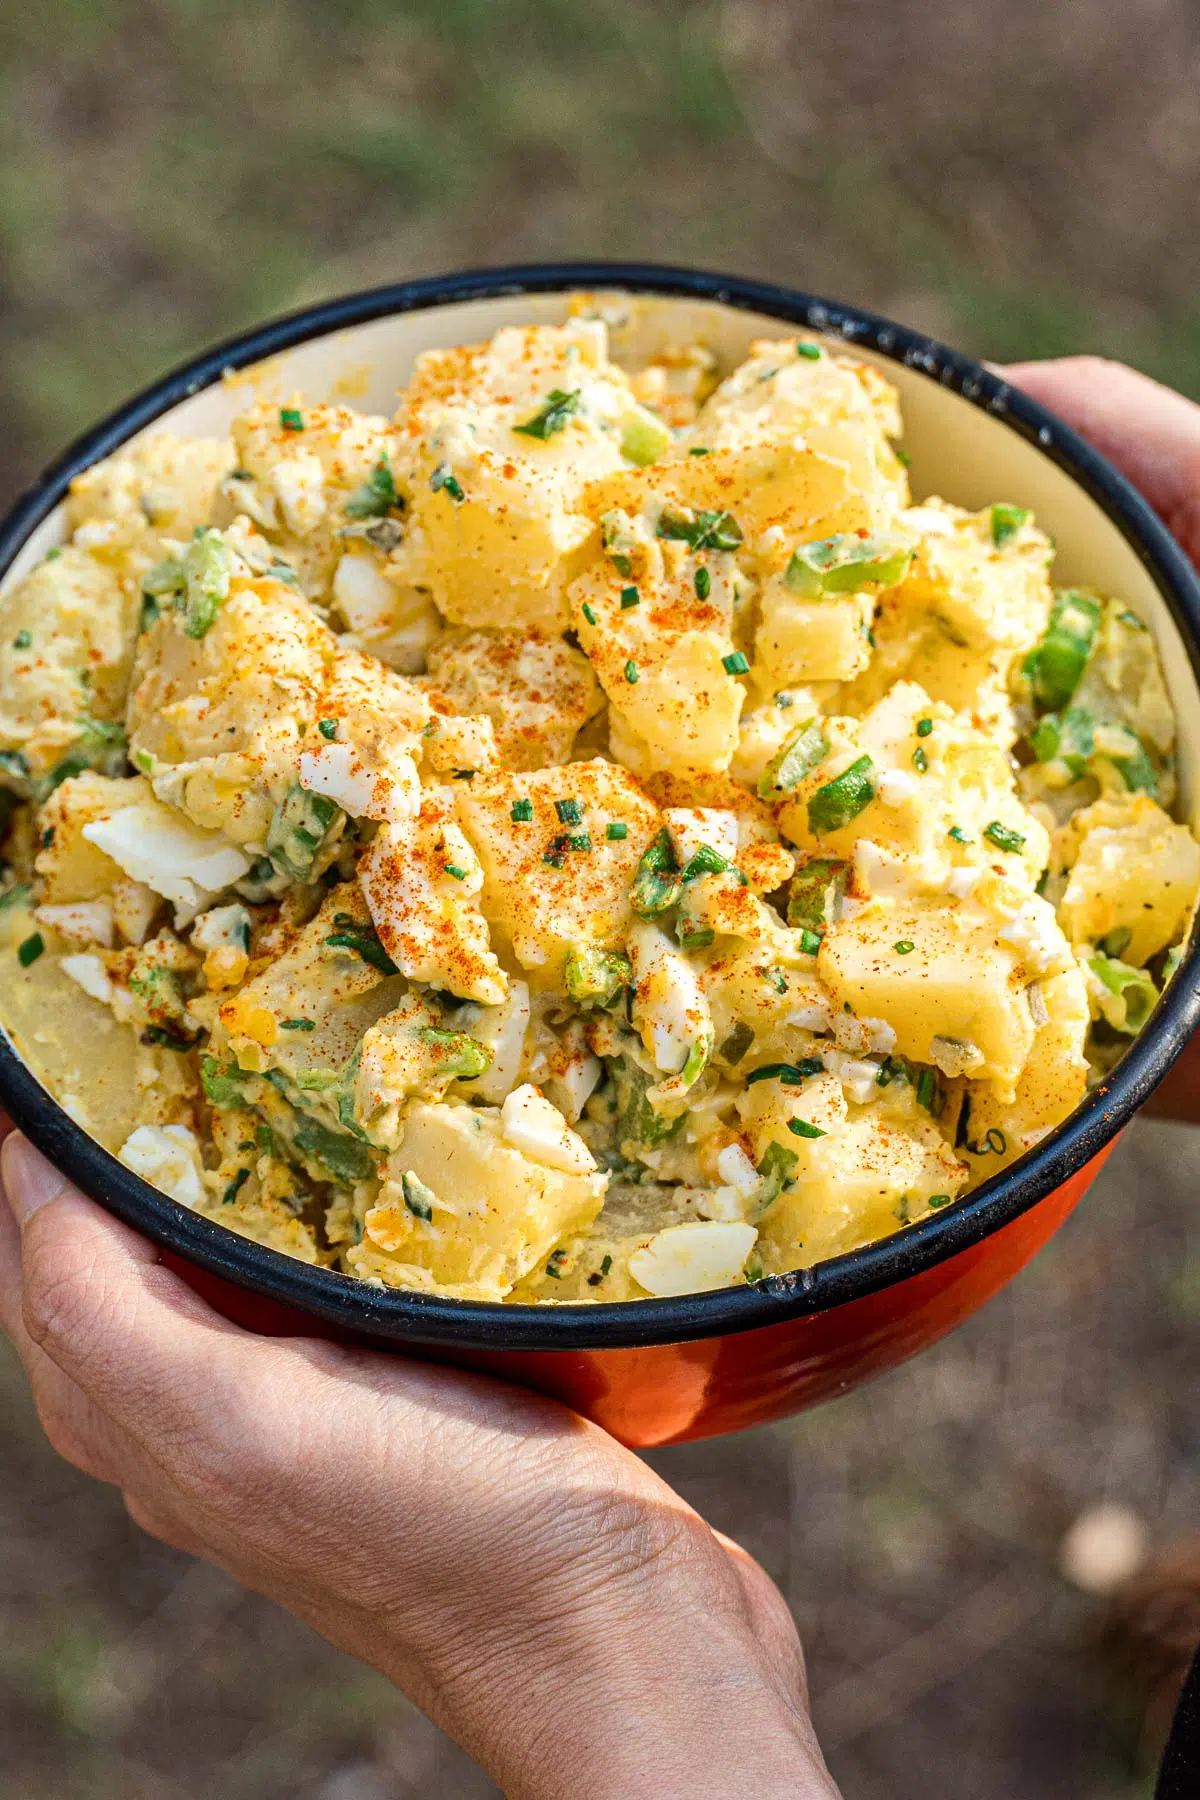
x=659, y=1371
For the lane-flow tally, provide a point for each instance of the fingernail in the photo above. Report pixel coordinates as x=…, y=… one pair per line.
x=29, y=1180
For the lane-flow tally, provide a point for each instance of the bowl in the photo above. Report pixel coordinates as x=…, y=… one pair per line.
x=659, y=1371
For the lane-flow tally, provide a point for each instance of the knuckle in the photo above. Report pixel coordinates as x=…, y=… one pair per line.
x=67, y=1304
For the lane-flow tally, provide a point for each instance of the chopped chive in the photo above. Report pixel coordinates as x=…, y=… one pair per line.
x=465, y=774
x=616, y=830
x=937, y=1201
x=702, y=582
x=920, y=760
x=553, y=860
x=297, y=1024
x=458, y=873
x=23, y=640
x=30, y=950
x=1003, y=836
x=810, y=941
x=328, y=729
x=802, y=1129
x=902, y=456
x=700, y=450
x=622, y=564
x=589, y=613
x=291, y=418
x=235, y=1187
x=631, y=672
x=569, y=811
x=811, y=351
x=443, y=477
x=776, y=979
x=791, y=1074
x=904, y=947
x=579, y=840
x=958, y=834
x=522, y=812
x=736, y=663
x=629, y=597
x=924, y=727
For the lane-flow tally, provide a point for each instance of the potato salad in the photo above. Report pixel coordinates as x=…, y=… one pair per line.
x=589, y=836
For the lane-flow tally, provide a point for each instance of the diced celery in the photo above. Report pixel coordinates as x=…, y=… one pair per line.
x=810, y=901
x=1006, y=522
x=299, y=828
x=658, y=881
x=1126, y=752
x=846, y=563
x=795, y=759
x=843, y=798
x=596, y=976
x=1133, y=992
x=456, y=1052
x=775, y=1174
x=1065, y=738
x=644, y=438
x=345, y=1159
x=1055, y=665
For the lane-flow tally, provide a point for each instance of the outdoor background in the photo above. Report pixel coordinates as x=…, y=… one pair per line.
x=1020, y=180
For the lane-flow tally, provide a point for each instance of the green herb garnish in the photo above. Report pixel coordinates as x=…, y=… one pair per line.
x=558, y=408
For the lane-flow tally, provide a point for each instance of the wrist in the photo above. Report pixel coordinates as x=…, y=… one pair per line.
x=657, y=1683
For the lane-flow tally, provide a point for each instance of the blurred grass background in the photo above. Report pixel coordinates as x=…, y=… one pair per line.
x=1021, y=181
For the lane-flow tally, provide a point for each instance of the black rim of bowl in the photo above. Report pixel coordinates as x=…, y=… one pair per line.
x=402, y=1316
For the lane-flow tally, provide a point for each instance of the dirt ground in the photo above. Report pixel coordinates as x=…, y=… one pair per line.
x=1022, y=183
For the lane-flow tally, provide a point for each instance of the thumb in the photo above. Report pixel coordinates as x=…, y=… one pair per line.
x=1148, y=431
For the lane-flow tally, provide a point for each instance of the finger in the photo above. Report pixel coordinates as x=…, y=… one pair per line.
x=1151, y=433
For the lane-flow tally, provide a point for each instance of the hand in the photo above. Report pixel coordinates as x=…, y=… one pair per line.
x=1153, y=437
x=533, y=1587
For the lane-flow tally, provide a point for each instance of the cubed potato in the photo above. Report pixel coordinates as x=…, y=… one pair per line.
x=316, y=478
x=791, y=493
x=1051, y=1085
x=662, y=659
x=1133, y=869
x=497, y=467
x=936, y=797
x=779, y=391
x=811, y=640
x=304, y=1014
x=423, y=883
x=481, y=1213
x=537, y=691
x=869, y=1177
x=158, y=487
x=958, y=981
x=67, y=633
x=984, y=595
x=540, y=893
x=217, y=721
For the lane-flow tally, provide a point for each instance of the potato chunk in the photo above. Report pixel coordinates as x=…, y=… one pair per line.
x=956, y=980
x=463, y=1210
x=422, y=881
x=497, y=465
x=663, y=659
x=914, y=782
x=1133, y=870
x=536, y=690
x=67, y=633
x=158, y=487
x=556, y=880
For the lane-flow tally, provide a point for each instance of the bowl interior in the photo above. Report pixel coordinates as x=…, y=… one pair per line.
x=958, y=449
